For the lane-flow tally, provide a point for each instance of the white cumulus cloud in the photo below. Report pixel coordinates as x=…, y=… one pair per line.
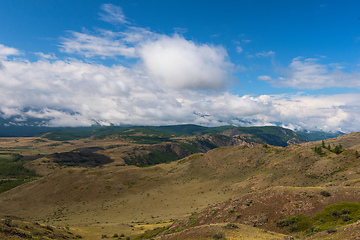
x=172, y=60
x=172, y=80
x=308, y=73
x=182, y=64
x=74, y=93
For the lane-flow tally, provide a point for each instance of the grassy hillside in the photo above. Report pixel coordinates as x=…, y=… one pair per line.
x=169, y=143
x=200, y=196
x=202, y=139
x=16, y=228
x=116, y=199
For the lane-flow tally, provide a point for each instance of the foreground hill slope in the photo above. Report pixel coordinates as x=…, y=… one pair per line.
x=213, y=187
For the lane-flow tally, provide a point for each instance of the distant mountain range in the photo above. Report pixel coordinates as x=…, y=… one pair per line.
x=30, y=130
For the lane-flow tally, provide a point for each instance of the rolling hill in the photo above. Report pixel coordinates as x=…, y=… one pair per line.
x=252, y=190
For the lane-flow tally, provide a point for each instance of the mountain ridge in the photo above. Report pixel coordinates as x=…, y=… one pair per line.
x=31, y=130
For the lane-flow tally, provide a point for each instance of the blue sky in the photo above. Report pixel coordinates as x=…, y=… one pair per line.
x=76, y=63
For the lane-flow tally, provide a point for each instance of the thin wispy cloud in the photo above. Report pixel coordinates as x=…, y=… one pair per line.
x=239, y=49
x=112, y=14
x=8, y=51
x=264, y=77
x=265, y=54
x=45, y=56
x=91, y=45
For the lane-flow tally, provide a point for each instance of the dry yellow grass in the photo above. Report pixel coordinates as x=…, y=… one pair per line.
x=116, y=199
x=207, y=232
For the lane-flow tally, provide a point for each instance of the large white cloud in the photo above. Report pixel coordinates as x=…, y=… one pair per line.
x=182, y=64
x=172, y=60
x=74, y=93
x=86, y=93
x=171, y=80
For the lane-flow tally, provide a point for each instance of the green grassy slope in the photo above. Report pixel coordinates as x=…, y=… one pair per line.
x=12, y=171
